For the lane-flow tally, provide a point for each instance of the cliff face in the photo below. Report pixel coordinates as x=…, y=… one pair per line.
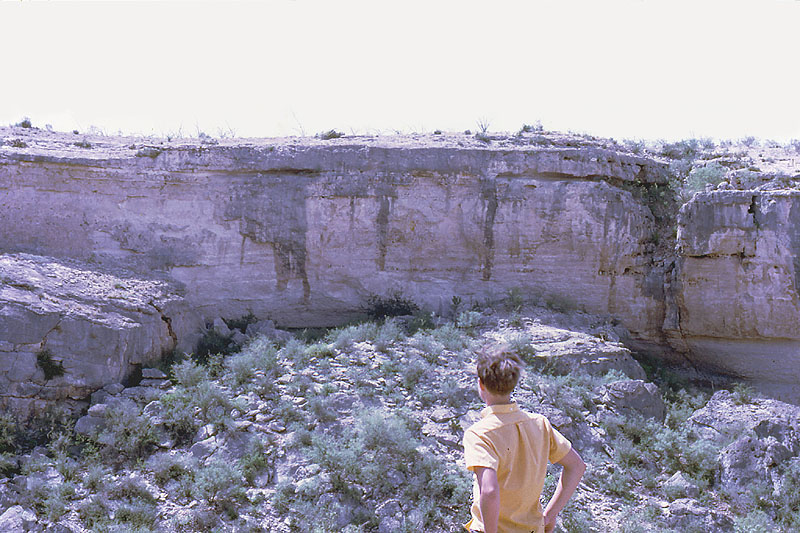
x=738, y=282
x=303, y=231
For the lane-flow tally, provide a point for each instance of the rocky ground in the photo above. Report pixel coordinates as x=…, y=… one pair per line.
x=359, y=429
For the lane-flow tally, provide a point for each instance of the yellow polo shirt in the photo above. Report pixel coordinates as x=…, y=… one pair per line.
x=517, y=445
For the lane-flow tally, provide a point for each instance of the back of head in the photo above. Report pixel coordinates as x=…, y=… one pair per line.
x=499, y=369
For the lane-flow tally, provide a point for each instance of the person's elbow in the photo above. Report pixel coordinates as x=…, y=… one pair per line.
x=573, y=463
x=490, y=492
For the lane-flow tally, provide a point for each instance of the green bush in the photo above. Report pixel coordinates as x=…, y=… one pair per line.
x=137, y=514
x=186, y=409
x=221, y=485
x=95, y=511
x=257, y=459
x=742, y=394
x=452, y=338
x=344, y=338
x=261, y=355
x=699, y=177
x=388, y=333
x=394, y=304
x=756, y=521
x=166, y=467
x=50, y=367
x=521, y=344
x=8, y=433
x=378, y=458
x=127, y=436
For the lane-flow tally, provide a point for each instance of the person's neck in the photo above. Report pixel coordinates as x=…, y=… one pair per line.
x=491, y=399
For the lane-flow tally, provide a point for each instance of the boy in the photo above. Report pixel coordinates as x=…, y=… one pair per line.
x=508, y=451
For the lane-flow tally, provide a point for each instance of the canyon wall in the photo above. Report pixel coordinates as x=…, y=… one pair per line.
x=304, y=231
x=737, y=280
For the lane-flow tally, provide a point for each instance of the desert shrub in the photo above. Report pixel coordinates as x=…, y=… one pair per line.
x=394, y=304
x=221, y=485
x=197, y=519
x=166, y=467
x=257, y=459
x=430, y=347
x=454, y=394
x=95, y=511
x=137, y=514
x=242, y=322
x=261, y=355
x=521, y=344
x=756, y=521
x=742, y=394
x=95, y=477
x=131, y=488
x=378, y=458
x=24, y=123
x=346, y=337
x=451, y=338
x=388, y=333
x=8, y=433
x=8, y=465
x=785, y=502
x=420, y=321
x=189, y=374
x=645, y=445
x=212, y=343
x=412, y=373
x=469, y=320
x=710, y=174
x=330, y=134
x=186, y=409
x=127, y=436
x=320, y=350
x=320, y=409
x=684, y=149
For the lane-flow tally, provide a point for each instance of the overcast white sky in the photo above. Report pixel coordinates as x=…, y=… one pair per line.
x=618, y=68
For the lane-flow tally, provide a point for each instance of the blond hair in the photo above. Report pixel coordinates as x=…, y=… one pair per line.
x=499, y=369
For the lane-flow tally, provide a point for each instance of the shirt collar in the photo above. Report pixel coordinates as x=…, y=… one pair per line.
x=499, y=409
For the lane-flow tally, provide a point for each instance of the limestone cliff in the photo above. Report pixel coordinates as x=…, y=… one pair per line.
x=304, y=230
x=738, y=283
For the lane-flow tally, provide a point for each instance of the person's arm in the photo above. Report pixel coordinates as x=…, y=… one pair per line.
x=490, y=498
x=571, y=475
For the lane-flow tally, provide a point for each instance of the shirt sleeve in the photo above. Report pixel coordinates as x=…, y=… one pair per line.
x=559, y=444
x=479, y=452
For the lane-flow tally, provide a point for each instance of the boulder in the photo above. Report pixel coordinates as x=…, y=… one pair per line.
x=68, y=329
x=726, y=417
x=633, y=397
x=17, y=519
x=678, y=486
x=563, y=351
x=760, y=438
